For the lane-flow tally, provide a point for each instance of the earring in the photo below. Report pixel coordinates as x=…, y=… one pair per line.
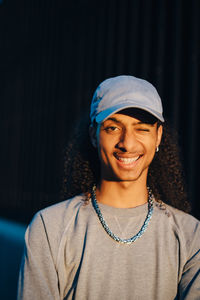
x=157, y=148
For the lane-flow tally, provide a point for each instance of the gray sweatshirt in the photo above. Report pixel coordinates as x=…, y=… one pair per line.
x=68, y=254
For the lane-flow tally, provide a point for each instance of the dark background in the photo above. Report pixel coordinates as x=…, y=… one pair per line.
x=54, y=53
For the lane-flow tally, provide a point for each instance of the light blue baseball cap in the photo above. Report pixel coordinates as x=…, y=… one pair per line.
x=125, y=91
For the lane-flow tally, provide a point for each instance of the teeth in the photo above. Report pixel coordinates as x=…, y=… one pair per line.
x=128, y=160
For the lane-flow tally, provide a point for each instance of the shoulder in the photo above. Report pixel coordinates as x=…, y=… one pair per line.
x=63, y=207
x=52, y=221
x=185, y=227
x=48, y=226
x=178, y=218
x=177, y=215
x=58, y=214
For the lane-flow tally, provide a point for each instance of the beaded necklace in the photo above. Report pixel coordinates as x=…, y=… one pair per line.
x=107, y=229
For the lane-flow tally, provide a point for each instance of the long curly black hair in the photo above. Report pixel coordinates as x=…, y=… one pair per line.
x=165, y=176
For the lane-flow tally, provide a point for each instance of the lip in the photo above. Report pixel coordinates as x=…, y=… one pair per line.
x=127, y=161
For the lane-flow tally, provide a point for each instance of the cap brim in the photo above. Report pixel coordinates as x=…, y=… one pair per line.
x=102, y=116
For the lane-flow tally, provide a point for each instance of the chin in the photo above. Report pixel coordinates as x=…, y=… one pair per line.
x=124, y=175
x=120, y=178
x=132, y=176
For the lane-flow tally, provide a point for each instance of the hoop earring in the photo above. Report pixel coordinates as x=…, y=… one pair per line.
x=157, y=148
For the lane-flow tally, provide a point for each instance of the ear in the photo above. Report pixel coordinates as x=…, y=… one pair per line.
x=93, y=136
x=159, y=135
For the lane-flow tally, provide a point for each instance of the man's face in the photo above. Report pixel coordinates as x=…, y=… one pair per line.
x=126, y=146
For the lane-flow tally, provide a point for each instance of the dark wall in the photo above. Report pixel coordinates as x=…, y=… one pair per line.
x=54, y=53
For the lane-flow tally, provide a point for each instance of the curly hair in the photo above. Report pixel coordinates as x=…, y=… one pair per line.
x=165, y=176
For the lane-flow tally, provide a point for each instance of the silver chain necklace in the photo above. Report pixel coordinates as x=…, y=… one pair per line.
x=107, y=229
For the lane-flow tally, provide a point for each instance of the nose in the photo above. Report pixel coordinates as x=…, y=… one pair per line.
x=127, y=142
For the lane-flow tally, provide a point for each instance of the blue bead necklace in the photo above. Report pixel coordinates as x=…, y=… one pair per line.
x=107, y=229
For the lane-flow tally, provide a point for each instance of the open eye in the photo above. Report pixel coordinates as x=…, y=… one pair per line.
x=111, y=128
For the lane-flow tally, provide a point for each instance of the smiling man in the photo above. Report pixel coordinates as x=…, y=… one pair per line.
x=126, y=147
x=127, y=235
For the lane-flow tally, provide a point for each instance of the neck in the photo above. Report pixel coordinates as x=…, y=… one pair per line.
x=122, y=194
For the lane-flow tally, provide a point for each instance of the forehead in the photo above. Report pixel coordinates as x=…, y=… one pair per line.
x=139, y=114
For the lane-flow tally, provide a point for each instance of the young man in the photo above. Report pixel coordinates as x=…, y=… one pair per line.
x=117, y=240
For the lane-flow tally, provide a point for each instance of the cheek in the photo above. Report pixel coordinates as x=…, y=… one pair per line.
x=102, y=148
x=150, y=146
x=104, y=153
x=105, y=148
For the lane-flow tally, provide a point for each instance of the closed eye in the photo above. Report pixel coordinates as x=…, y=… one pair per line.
x=143, y=129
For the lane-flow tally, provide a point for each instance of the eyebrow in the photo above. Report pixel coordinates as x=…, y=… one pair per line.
x=119, y=122
x=113, y=119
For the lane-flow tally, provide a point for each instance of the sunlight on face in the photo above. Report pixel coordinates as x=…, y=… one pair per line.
x=126, y=146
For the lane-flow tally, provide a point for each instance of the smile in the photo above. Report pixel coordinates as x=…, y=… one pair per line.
x=127, y=160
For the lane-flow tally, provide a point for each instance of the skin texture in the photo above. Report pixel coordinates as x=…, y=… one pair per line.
x=126, y=147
